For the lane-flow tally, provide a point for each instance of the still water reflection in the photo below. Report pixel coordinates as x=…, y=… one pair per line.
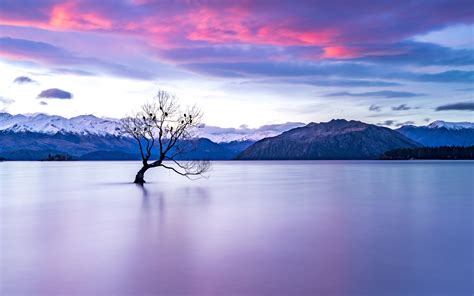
x=255, y=228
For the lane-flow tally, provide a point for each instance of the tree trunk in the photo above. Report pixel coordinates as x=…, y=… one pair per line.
x=139, y=178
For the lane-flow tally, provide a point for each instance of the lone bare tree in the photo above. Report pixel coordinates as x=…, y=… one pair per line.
x=164, y=132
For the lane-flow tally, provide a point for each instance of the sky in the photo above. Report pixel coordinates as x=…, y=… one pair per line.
x=241, y=62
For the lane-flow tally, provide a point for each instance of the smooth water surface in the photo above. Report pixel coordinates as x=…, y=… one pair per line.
x=251, y=228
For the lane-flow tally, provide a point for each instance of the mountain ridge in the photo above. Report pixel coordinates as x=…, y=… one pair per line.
x=336, y=139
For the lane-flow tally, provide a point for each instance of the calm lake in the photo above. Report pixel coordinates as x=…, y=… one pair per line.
x=251, y=228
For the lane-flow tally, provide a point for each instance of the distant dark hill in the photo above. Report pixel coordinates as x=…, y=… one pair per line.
x=337, y=139
x=440, y=136
x=72, y=144
x=199, y=149
x=37, y=146
x=236, y=147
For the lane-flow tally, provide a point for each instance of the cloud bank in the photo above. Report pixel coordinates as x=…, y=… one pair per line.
x=380, y=94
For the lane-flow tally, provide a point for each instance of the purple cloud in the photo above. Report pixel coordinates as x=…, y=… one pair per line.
x=462, y=106
x=418, y=53
x=402, y=107
x=382, y=94
x=47, y=54
x=319, y=82
x=23, y=80
x=456, y=76
x=388, y=122
x=55, y=93
x=409, y=122
x=375, y=108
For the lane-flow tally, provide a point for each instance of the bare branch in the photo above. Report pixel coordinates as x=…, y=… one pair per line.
x=190, y=168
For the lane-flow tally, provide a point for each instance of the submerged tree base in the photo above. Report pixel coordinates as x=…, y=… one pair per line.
x=140, y=177
x=139, y=181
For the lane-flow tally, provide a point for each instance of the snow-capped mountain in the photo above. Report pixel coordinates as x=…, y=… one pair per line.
x=52, y=124
x=441, y=133
x=451, y=125
x=92, y=125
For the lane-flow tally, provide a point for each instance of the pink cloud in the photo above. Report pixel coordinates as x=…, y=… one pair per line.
x=63, y=17
x=67, y=16
x=238, y=25
x=233, y=24
x=341, y=52
x=327, y=29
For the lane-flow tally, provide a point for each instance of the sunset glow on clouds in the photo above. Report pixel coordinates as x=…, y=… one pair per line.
x=284, y=59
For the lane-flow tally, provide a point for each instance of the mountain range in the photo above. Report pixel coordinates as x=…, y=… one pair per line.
x=92, y=125
x=87, y=137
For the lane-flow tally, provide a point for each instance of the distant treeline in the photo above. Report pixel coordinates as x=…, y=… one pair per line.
x=444, y=152
x=58, y=157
